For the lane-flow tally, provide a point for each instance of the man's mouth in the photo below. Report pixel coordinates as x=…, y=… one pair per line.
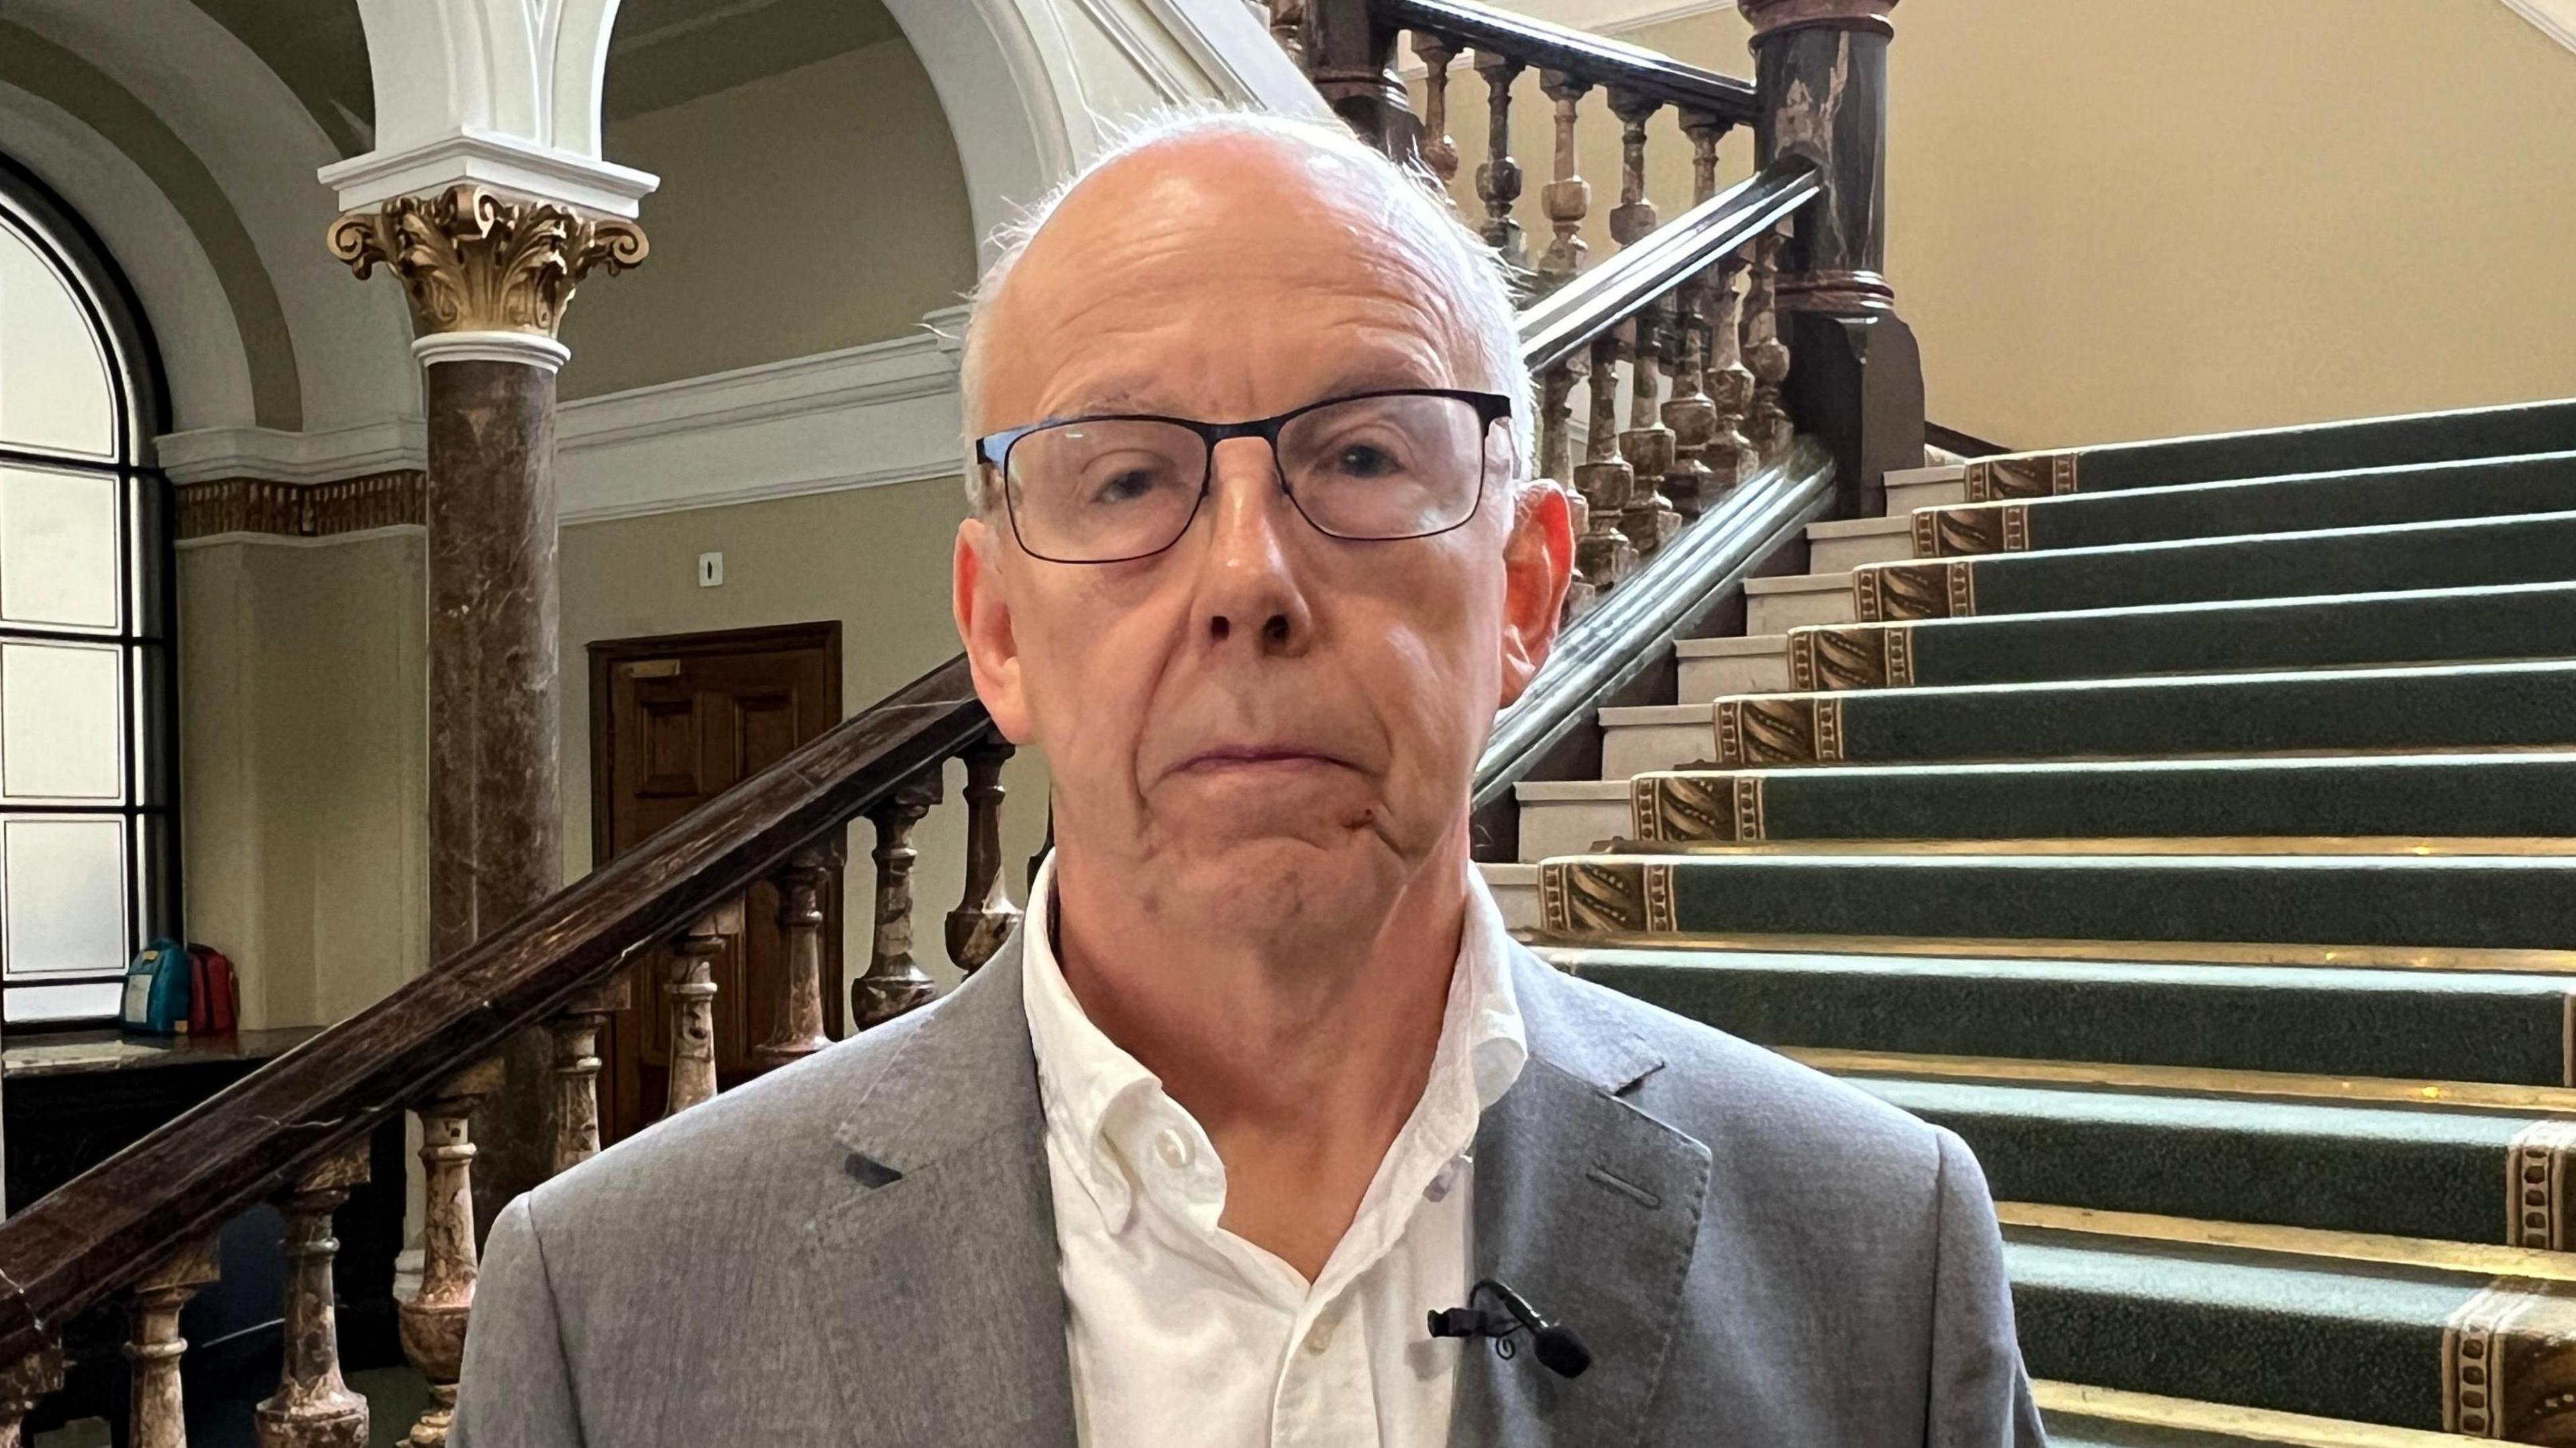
x=1250, y=756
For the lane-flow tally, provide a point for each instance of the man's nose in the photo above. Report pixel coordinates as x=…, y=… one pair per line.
x=1252, y=588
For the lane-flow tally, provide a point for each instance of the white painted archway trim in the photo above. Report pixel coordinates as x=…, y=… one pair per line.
x=2556, y=18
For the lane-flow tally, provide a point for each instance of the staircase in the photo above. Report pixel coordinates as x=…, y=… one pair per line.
x=2191, y=826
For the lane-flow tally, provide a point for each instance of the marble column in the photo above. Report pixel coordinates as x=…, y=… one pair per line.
x=488, y=277
x=1856, y=379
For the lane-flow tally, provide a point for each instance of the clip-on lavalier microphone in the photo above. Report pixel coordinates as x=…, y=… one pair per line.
x=1559, y=1350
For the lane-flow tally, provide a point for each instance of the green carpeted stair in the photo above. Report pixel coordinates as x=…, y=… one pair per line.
x=2190, y=826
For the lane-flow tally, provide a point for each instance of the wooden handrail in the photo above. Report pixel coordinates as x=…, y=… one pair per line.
x=1586, y=56
x=102, y=1231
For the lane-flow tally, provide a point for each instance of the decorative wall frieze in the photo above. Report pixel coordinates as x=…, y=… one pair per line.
x=1756, y=729
x=301, y=510
x=1595, y=896
x=1971, y=529
x=2021, y=475
x=473, y=261
x=2509, y=1363
x=1851, y=656
x=1884, y=592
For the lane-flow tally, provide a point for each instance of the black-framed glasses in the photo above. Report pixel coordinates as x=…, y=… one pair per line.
x=1369, y=467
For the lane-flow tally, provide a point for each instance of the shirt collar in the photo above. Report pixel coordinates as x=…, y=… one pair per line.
x=1102, y=1105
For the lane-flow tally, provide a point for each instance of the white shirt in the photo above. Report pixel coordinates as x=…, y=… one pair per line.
x=1181, y=1334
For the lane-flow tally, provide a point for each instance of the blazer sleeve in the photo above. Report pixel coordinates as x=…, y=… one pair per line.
x=1980, y=1394
x=516, y=1391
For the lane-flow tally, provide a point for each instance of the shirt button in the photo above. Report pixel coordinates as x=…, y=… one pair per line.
x=1174, y=1149
x=1319, y=1338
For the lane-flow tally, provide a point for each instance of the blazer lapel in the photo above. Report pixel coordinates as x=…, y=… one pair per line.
x=1587, y=1206
x=933, y=1273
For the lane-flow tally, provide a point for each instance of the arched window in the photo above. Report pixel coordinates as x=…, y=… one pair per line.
x=86, y=820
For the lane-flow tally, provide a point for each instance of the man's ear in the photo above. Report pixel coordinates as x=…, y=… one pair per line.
x=1538, y=561
x=984, y=626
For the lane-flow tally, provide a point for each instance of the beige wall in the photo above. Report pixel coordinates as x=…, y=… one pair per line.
x=876, y=559
x=304, y=758
x=2115, y=221
x=809, y=211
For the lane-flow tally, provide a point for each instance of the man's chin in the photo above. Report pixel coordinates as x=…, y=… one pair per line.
x=1279, y=879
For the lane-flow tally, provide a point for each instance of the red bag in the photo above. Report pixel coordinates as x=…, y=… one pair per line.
x=214, y=1000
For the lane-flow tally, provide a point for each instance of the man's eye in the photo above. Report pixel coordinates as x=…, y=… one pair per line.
x=1124, y=487
x=1360, y=460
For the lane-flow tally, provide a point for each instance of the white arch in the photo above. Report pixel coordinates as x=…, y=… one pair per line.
x=261, y=146
x=192, y=320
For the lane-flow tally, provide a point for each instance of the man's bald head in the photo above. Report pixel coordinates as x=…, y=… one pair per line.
x=1203, y=192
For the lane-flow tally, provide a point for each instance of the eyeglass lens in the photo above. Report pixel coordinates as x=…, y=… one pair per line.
x=1103, y=489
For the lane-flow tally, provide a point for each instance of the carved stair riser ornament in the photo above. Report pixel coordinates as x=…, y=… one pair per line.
x=472, y=261
x=984, y=915
x=24, y=1384
x=2022, y=475
x=1606, y=897
x=2509, y=1364
x=1889, y=592
x=159, y=1411
x=1979, y=528
x=312, y=1407
x=894, y=983
x=433, y=1321
x=1696, y=809
x=1757, y=729
x=1851, y=656
x=2538, y=1166
x=796, y=1019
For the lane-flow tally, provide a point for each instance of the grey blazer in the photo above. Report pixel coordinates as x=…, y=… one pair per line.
x=860, y=1250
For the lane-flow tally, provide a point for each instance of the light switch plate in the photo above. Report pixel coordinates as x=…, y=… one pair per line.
x=710, y=570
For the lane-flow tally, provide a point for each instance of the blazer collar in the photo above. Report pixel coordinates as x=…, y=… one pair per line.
x=1590, y=1208
x=932, y=1272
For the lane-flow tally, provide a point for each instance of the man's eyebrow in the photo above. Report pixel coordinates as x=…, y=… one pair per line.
x=1119, y=400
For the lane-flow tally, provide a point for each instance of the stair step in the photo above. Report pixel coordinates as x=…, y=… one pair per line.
x=1569, y=817
x=2461, y=903
x=1780, y=602
x=2298, y=503
x=1839, y=544
x=2428, y=437
x=1712, y=668
x=2321, y=1324
x=2175, y=1015
x=2079, y=1416
x=2421, y=795
x=1515, y=892
x=2526, y=548
x=1912, y=488
x=2448, y=707
x=2320, y=1165
x=2516, y=621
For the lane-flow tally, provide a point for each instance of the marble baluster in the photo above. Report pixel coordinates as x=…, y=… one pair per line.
x=312, y=1407
x=689, y=999
x=894, y=982
x=1439, y=151
x=796, y=1021
x=1766, y=421
x=1649, y=519
x=159, y=1413
x=1604, y=478
x=575, y=1030
x=24, y=1384
x=1728, y=454
x=1568, y=198
x=1689, y=412
x=984, y=914
x=1288, y=27
x=1556, y=463
x=1498, y=176
x=433, y=1320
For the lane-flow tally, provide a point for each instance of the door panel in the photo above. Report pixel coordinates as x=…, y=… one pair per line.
x=676, y=721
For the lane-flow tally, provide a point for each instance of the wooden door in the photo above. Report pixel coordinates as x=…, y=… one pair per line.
x=674, y=722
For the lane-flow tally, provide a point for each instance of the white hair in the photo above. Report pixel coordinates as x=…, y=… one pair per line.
x=1413, y=207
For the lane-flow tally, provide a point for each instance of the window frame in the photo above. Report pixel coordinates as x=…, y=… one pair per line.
x=146, y=635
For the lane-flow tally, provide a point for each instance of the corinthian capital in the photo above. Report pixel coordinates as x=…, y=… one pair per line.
x=471, y=261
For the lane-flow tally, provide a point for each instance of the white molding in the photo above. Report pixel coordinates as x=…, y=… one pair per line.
x=1236, y=51
x=290, y=540
x=2556, y=18
x=887, y=412
x=206, y=454
x=490, y=159
x=528, y=349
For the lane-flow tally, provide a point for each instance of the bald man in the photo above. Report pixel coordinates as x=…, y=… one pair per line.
x=1263, y=1131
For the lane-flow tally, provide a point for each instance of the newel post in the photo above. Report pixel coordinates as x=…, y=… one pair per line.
x=1856, y=379
x=1351, y=59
